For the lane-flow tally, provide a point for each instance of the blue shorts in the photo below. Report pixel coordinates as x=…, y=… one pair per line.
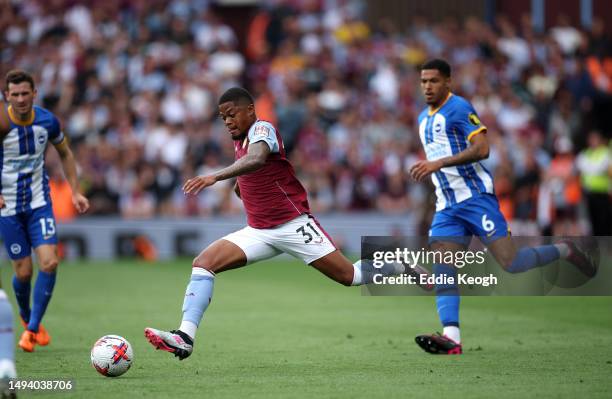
x=478, y=216
x=27, y=230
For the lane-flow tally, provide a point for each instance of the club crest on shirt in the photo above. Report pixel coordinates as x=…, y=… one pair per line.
x=474, y=120
x=15, y=249
x=261, y=131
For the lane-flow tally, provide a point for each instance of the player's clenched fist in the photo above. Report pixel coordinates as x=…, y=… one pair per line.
x=198, y=183
x=80, y=202
x=423, y=169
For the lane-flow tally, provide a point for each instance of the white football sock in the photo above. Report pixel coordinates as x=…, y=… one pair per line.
x=564, y=249
x=364, y=271
x=452, y=332
x=357, y=276
x=189, y=328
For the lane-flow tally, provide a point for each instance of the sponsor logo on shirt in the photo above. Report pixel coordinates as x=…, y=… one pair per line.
x=261, y=131
x=437, y=150
x=474, y=120
x=26, y=164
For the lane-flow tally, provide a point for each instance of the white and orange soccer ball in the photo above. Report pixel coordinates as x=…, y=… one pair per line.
x=112, y=355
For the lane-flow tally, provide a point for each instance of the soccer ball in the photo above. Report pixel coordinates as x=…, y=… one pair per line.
x=112, y=355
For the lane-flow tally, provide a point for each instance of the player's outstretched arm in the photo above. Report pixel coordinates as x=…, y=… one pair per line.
x=253, y=160
x=69, y=165
x=5, y=126
x=479, y=149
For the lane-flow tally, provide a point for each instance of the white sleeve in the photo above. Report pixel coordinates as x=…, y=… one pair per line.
x=264, y=131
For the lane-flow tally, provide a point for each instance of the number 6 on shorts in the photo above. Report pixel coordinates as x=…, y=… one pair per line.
x=487, y=224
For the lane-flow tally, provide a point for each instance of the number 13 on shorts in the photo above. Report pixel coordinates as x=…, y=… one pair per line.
x=47, y=227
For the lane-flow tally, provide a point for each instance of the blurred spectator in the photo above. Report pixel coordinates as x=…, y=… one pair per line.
x=562, y=180
x=566, y=36
x=61, y=196
x=596, y=169
x=137, y=202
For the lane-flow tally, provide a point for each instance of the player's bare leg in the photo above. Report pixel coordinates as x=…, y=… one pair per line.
x=47, y=257
x=337, y=267
x=23, y=268
x=220, y=256
x=504, y=251
x=447, y=303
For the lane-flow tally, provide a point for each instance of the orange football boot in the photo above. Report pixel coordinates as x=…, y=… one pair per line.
x=42, y=336
x=27, y=341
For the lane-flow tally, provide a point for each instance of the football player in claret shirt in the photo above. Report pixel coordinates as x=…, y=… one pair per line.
x=26, y=214
x=455, y=142
x=278, y=218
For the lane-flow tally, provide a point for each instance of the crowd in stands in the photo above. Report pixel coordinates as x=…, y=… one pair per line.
x=135, y=84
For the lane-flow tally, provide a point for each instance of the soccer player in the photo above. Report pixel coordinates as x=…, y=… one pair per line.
x=7, y=345
x=278, y=218
x=455, y=142
x=26, y=216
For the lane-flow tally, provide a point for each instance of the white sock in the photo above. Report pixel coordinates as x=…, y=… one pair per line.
x=357, y=275
x=189, y=328
x=7, y=369
x=564, y=249
x=452, y=332
x=399, y=268
x=364, y=271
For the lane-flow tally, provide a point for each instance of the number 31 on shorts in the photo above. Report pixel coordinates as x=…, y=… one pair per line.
x=306, y=230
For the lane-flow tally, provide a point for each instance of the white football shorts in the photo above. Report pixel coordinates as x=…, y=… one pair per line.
x=301, y=237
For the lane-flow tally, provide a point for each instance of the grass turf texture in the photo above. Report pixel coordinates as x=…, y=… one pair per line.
x=280, y=329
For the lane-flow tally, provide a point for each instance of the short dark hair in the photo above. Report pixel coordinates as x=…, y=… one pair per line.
x=17, y=76
x=441, y=65
x=235, y=95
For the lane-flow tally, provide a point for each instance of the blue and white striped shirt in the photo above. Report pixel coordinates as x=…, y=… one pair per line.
x=24, y=183
x=446, y=131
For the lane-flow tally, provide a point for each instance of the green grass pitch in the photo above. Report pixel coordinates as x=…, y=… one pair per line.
x=280, y=329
